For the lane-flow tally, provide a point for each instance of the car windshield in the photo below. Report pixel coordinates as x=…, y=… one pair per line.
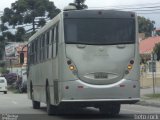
x=1, y=81
x=99, y=31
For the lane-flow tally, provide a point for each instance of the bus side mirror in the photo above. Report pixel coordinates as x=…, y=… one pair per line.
x=21, y=58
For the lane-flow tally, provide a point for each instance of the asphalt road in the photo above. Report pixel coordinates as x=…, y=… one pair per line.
x=20, y=104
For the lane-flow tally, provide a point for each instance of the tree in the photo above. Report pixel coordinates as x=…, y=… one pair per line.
x=1, y=47
x=80, y=4
x=157, y=50
x=146, y=26
x=19, y=34
x=3, y=27
x=25, y=11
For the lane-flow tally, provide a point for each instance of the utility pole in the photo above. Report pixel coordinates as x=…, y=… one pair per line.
x=153, y=67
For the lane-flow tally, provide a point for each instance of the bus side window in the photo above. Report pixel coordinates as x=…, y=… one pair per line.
x=50, y=44
x=32, y=53
x=36, y=50
x=28, y=54
x=55, y=44
x=47, y=44
x=41, y=50
x=52, y=38
x=37, y=56
x=43, y=47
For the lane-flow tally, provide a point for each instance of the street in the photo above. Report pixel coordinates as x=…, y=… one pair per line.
x=20, y=104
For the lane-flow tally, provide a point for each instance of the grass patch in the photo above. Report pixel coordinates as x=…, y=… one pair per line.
x=153, y=96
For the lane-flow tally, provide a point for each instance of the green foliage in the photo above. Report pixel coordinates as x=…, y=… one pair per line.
x=3, y=70
x=41, y=22
x=80, y=4
x=9, y=36
x=3, y=27
x=153, y=96
x=157, y=50
x=2, y=64
x=145, y=26
x=19, y=34
x=22, y=12
x=158, y=33
x=25, y=11
x=1, y=46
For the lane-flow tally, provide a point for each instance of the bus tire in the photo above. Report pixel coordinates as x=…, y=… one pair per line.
x=51, y=110
x=111, y=110
x=35, y=104
x=5, y=92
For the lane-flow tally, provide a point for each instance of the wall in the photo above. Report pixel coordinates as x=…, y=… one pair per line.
x=147, y=76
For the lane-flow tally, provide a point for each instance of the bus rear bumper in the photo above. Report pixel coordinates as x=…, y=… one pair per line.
x=121, y=101
x=124, y=92
x=97, y=102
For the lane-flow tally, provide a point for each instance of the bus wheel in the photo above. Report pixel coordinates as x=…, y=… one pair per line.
x=111, y=110
x=35, y=104
x=51, y=110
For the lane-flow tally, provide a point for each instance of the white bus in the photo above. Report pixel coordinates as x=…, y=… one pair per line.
x=85, y=58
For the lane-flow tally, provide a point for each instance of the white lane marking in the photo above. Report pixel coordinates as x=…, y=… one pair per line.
x=14, y=102
x=136, y=111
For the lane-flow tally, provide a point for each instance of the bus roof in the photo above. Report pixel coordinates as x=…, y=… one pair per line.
x=98, y=14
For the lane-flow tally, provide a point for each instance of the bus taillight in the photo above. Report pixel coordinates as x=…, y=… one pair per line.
x=72, y=67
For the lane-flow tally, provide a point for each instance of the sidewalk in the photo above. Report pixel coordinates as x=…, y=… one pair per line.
x=149, y=101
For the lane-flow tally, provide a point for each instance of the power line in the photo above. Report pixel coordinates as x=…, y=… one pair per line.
x=141, y=10
x=146, y=4
x=140, y=7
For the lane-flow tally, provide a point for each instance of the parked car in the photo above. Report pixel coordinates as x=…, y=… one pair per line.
x=3, y=85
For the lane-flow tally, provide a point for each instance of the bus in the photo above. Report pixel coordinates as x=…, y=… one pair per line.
x=85, y=58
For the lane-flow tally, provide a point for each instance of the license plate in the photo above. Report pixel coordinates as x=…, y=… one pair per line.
x=100, y=75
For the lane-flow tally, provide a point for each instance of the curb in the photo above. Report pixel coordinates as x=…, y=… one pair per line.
x=145, y=103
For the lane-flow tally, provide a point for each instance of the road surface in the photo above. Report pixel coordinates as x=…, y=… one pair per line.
x=20, y=104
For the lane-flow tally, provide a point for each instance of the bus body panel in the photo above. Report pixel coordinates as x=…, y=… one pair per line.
x=81, y=91
x=39, y=74
x=108, y=59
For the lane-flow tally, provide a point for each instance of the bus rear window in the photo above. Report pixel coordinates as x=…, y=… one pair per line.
x=99, y=31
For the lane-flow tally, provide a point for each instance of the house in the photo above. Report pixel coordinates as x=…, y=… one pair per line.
x=12, y=57
x=22, y=48
x=149, y=69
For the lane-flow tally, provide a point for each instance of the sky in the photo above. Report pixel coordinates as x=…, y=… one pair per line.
x=153, y=15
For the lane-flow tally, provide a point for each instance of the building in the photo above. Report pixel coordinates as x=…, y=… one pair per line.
x=149, y=69
x=12, y=56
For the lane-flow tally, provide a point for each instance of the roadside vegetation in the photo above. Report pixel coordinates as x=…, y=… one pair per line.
x=153, y=96
x=13, y=89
